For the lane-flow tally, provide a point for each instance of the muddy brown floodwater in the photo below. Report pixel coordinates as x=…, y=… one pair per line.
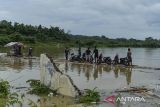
x=106, y=78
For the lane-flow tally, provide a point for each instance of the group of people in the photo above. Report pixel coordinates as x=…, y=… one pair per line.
x=17, y=51
x=96, y=57
x=127, y=60
x=89, y=56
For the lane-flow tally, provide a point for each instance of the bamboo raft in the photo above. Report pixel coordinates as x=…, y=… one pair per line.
x=60, y=61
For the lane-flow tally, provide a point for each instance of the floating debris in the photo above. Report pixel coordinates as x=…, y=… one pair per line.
x=134, y=89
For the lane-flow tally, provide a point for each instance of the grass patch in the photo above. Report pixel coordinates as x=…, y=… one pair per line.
x=38, y=88
x=90, y=96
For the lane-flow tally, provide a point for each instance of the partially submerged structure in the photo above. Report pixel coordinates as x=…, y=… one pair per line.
x=16, y=48
x=52, y=77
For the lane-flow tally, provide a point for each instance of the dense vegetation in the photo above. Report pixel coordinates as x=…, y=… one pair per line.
x=39, y=34
x=8, y=98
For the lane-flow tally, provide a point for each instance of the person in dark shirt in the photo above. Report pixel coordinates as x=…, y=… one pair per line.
x=30, y=52
x=129, y=56
x=116, y=59
x=84, y=56
x=79, y=52
x=88, y=54
x=95, y=52
x=100, y=58
x=66, y=52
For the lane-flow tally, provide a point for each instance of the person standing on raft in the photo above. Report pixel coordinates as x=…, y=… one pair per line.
x=129, y=57
x=79, y=52
x=95, y=52
x=88, y=54
x=116, y=59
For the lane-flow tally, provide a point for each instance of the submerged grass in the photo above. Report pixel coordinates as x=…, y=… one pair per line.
x=38, y=88
x=90, y=96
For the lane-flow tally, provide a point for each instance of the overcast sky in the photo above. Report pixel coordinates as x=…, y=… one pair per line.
x=113, y=18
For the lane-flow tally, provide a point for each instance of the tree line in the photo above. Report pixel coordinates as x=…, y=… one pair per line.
x=33, y=34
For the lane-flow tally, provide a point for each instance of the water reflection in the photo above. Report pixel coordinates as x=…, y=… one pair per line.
x=30, y=64
x=96, y=71
x=127, y=72
x=13, y=62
